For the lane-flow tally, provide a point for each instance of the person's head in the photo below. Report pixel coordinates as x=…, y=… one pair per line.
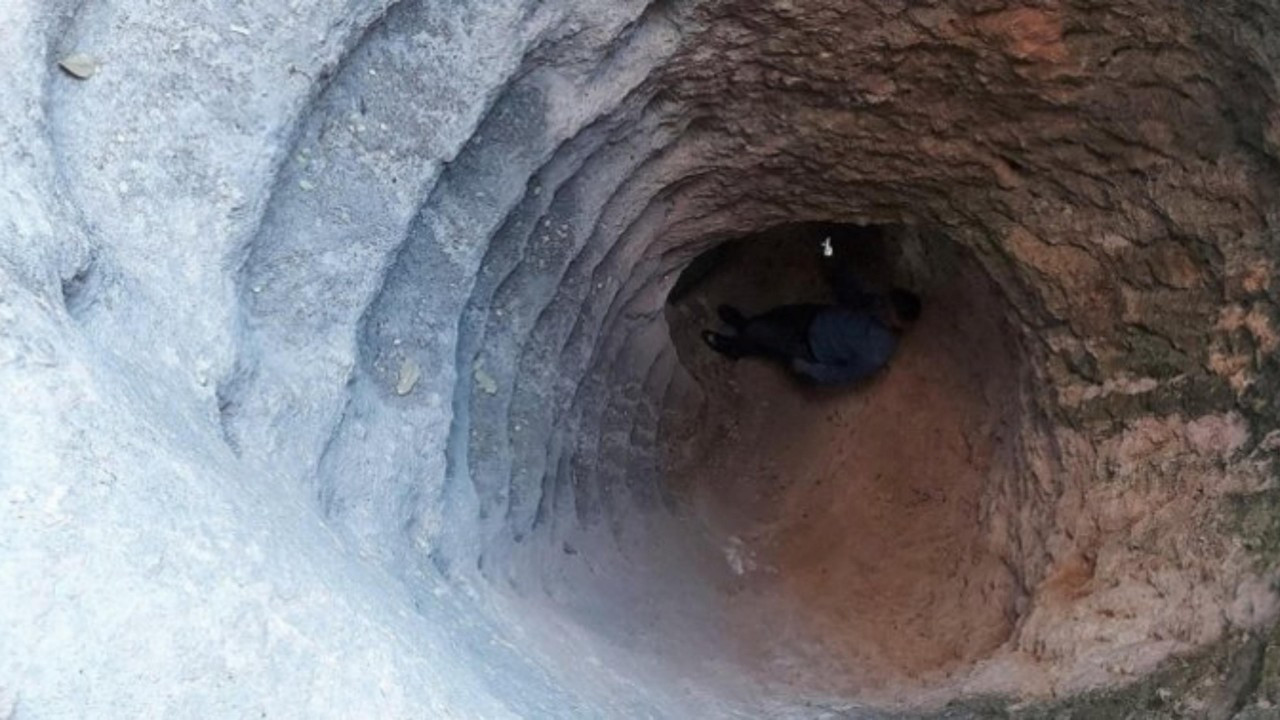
x=901, y=308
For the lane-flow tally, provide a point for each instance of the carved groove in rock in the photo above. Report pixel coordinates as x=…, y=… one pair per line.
x=343, y=378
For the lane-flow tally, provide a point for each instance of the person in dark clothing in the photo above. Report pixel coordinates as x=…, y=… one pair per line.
x=824, y=344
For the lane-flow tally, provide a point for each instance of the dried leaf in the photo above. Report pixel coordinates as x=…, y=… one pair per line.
x=79, y=66
x=409, y=374
x=486, y=381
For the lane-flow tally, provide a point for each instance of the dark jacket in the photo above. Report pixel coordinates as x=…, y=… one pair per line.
x=847, y=342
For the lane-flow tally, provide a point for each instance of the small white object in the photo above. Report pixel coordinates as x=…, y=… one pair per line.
x=827, y=250
x=240, y=30
x=485, y=381
x=79, y=66
x=739, y=556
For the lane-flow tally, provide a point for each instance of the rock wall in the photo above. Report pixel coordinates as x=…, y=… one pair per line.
x=340, y=381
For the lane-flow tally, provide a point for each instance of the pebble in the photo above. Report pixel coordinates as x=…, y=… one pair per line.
x=409, y=374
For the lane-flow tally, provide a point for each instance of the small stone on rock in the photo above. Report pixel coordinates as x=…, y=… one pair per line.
x=79, y=66
x=409, y=374
x=486, y=381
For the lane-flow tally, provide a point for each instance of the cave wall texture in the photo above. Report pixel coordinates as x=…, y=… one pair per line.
x=337, y=380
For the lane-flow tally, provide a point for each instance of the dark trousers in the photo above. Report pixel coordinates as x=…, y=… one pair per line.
x=781, y=333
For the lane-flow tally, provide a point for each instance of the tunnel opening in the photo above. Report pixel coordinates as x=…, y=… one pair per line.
x=717, y=528
x=714, y=532
x=857, y=517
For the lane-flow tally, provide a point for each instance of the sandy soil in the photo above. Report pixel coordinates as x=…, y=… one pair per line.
x=851, y=518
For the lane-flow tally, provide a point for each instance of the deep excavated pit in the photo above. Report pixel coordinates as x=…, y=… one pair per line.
x=349, y=380
x=784, y=543
x=711, y=536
